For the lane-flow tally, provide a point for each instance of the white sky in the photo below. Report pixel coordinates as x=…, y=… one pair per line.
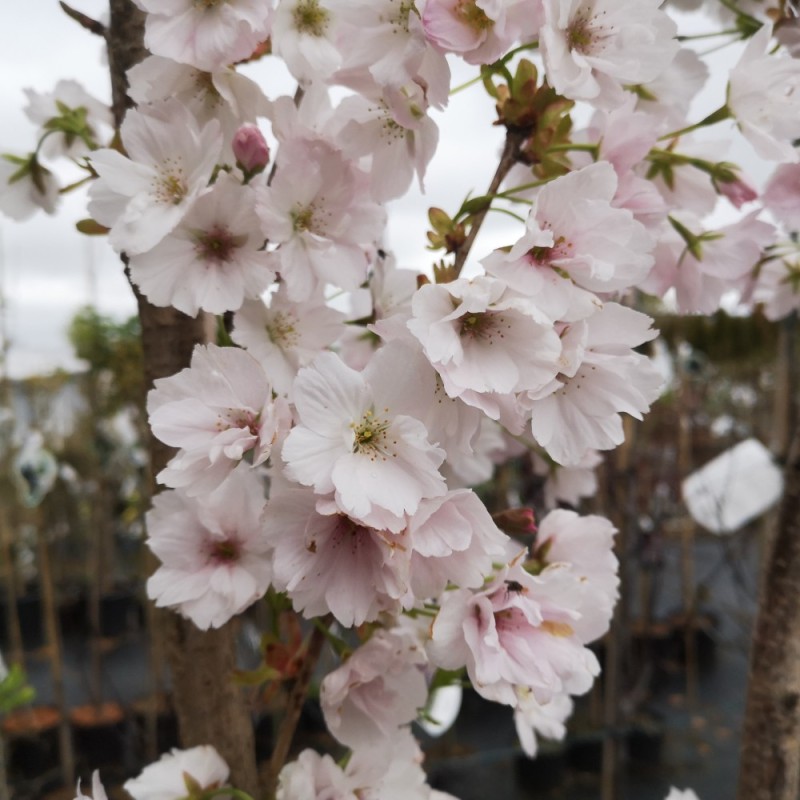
x=47, y=266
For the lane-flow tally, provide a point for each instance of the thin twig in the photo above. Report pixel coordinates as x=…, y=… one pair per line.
x=91, y=25
x=507, y=160
x=294, y=707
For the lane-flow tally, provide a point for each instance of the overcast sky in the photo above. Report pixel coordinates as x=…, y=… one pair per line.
x=49, y=270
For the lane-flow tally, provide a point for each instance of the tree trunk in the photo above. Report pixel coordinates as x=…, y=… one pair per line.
x=770, y=754
x=211, y=709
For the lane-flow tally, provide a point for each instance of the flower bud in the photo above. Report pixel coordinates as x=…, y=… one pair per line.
x=251, y=149
x=737, y=191
x=516, y=521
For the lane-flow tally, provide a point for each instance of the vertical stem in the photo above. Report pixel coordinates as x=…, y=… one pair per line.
x=55, y=650
x=17, y=655
x=294, y=707
x=507, y=160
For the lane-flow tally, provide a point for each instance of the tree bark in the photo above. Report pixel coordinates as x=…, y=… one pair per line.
x=211, y=708
x=770, y=753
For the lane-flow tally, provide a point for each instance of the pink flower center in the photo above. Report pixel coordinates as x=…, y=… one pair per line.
x=217, y=245
x=225, y=551
x=483, y=326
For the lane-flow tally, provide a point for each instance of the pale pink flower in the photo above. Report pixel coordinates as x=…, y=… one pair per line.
x=586, y=545
x=400, y=138
x=164, y=779
x=215, y=560
x=516, y=632
x=782, y=195
x=304, y=36
x=602, y=378
x=284, y=336
x=592, y=48
x=216, y=410
x=380, y=688
x=209, y=34
x=98, y=792
x=224, y=94
x=318, y=211
x=389, y=771
x=568, y=484
x=44, y=106
x=26, y=187
x=144, y=197
x=213, y=259
x=667, y=98
x=480, y=31
x=764, y=98
x=483, y=340
x=545, y=719
x=330, y=563
x=453, y=540
x=574, y=229
x=722, y=261
x=778, y=285
x=386, y=38
x=353, y=439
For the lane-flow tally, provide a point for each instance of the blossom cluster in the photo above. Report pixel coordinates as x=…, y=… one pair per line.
x=332, y=454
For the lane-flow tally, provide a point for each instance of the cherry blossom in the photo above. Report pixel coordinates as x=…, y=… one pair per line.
x=545, y=719
x=318, y=213
x=26, y=186
x=224, y=94
x=353, y=439
x=592, y=48
x=216, y=410
x=602, y=377
x=303, y=35
x=782, y=195
x=213, y=259
x=207, y=35
x=329, y=563
x=165, y=779
x=88, y=115
x=285, y=336
x=215, y=560
x=764, y=98
x=144, y=197
x=377, y=690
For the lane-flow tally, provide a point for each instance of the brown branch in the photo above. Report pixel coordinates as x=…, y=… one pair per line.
x=508, y=158
x=769, y=767
x=91, y=25
x=294, y=707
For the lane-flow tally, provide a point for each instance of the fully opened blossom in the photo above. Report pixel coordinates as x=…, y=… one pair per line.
x=144, y=197
x=215, y=559
x=224, y=94
x=602, y=378
x=484, y=341
x=354, y=441
x=380, y=688
x=592, y=48
x=574, y=229
x=216, y=410
x=303, y=35
x=516, y=632
x=209, y=34
x=764, y=97
x=328, y=562
x=317, y=209
x=213, y=259
x=285, y=336
x=165, y=779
